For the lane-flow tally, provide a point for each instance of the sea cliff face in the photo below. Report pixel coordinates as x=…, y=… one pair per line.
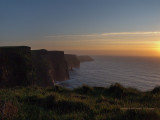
x=72, y=61
x=59, y=65
x=48, y=67
x=19, y=66
x=15, y=66
x=41, y=68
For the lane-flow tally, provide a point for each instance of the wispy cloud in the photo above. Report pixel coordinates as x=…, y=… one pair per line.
x=131, y=33
x=107, y=34
x=71, y=35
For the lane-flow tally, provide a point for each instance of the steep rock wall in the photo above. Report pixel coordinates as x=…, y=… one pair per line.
x=58, y=65
x=72, y=61
x=19, y=66
x=48, y=67
x=41, y=68
x=15, y=66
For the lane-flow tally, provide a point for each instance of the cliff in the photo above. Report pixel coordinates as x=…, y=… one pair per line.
x=49, y=66
x=85, y=58
x=59, y=65
x=72, y=61
x=19, y=66
x=15, y=66
x=41, y=68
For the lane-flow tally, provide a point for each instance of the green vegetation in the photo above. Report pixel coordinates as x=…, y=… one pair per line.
x=84, y=103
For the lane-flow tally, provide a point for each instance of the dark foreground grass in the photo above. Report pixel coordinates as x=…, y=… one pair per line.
x=84, y=103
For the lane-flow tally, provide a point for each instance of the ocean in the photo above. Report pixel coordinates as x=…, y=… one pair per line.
x=142, y=73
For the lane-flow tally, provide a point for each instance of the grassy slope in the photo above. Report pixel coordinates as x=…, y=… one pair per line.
x=84, y=103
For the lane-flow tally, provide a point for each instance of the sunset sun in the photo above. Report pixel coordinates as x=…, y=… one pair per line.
x=157, y=47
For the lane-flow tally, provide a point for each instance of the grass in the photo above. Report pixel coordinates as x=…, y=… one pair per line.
x=83, y=103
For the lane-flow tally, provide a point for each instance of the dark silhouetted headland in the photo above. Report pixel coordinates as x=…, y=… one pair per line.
x=85, y=58
x=72, y=61
x=20, y=65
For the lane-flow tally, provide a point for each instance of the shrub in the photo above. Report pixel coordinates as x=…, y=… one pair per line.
x=71, y=107
x=57, y=88
x=32, y=100
x=156, y=90
x=139, y=115
x=116, y=90
x=84, y=90
x=49, y=102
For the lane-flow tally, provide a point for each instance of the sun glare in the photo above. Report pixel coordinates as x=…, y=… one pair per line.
x=157, y=47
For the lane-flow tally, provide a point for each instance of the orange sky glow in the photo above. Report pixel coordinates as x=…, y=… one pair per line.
x=121, y=44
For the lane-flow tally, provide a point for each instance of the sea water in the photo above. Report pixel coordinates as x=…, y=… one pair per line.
x=142, y=73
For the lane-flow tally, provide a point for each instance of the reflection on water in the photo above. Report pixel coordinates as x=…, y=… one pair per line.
x=139, y=72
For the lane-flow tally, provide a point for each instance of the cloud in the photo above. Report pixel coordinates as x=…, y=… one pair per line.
x=107, y=34
x=89, y=35
x=131, y=33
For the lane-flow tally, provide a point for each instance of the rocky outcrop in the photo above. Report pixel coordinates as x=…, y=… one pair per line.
x=48, y=67
x=72, y=61
x=15, y=66
x=85, y=58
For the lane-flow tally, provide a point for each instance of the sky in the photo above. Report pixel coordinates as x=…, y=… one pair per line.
x=93, y=27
